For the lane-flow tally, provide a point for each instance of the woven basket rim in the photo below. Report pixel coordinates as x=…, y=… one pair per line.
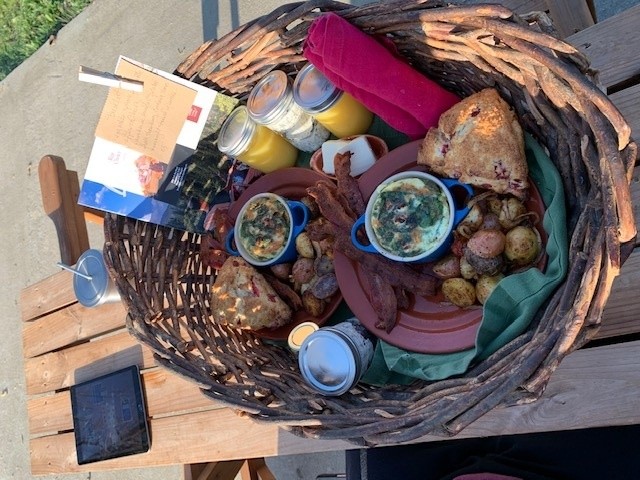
x=550, y=85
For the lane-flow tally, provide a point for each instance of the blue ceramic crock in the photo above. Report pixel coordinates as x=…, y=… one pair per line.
x=298, y=215
x=456, y=215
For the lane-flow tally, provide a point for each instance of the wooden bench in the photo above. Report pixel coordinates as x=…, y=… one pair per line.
x=65, y=343
x=568, y=16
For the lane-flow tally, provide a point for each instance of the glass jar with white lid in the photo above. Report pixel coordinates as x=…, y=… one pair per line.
x=338, y=111
x=271, y=103
x=254, y=144
x=333, y=359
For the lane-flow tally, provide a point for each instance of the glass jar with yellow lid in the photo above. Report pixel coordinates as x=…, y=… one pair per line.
x=271, y=104
x=254, y=144
x=338, y=111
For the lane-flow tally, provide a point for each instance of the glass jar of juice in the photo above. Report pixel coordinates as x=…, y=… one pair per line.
x=271, y=104
x=338, y=111
x=255, y=144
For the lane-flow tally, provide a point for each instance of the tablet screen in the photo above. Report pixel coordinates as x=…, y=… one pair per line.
x=109, y=417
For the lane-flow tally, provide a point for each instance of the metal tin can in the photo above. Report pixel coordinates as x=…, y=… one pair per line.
x=338, y=111
x=254, y=144
x=99, y=289
x=271, y=104
x=333, y=359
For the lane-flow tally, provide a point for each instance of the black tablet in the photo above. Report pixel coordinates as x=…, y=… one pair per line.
x=109, y=417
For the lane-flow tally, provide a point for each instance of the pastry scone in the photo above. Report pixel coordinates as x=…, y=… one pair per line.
x=480, y=142
x=242, y=297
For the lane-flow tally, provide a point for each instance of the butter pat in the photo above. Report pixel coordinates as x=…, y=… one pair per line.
x=362, y=156
x=329, y=150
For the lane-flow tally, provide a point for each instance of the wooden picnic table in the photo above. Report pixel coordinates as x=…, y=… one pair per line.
x=65, y=343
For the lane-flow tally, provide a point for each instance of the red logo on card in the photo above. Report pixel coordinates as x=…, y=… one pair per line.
x=194, y=114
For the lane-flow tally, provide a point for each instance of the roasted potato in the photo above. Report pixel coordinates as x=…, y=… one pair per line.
x=490, y=222
x=304, y=247
x=487, y=243
x=485, y=286
x=325, y=286
x=466, y=270
x=281, y=271
x=484, y=266
x=302, y=271
x=313, y=305
x=323, y=265
x=447, y=267
x=523, y=245
x=459, y=291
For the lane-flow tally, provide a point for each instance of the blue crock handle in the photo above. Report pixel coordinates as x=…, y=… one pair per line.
x=296, y=207
x=228, y=244
x=459, y=214
x=354, y=237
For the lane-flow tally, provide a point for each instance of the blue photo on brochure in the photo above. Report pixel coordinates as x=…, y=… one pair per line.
x=177, y=195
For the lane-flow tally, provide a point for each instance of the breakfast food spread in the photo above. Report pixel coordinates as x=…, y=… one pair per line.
x=243, y=298
x=480, y=142
x=410, y=216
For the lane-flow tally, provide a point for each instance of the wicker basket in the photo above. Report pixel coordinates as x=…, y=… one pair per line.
x=165, y=286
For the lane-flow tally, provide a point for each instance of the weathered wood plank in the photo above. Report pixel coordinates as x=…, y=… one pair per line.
x=525, y=6
x=70, y=325
x=47, y=295
x=621, y=315
x=570, y=16
x=592, y=388
x=194, y=438
x=161, y=389
x=627, y=102
x=165, y=394
x=635, y=197
x=612, y=46
x=50, y=414
x=57, y=370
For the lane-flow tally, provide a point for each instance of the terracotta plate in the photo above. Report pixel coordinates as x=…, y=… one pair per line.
x=290, y=183
x=428, y=325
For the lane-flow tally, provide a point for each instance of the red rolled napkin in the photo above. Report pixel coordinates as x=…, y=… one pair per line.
x=361, y=66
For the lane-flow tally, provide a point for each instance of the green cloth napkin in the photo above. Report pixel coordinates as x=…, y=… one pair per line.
x=511, y=306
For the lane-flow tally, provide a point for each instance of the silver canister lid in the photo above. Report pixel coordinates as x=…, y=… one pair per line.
x=91, y=292
x=270, y=97
x=313, y=91
x=236, y=132
x=328, y=363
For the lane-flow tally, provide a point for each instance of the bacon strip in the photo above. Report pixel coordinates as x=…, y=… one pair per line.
x=402, y=298
x=212, y=251
x=347, y=185
x=320, y=229
x=383, y=300
x=397, y=274
x=285, y=292
x=330, y=206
